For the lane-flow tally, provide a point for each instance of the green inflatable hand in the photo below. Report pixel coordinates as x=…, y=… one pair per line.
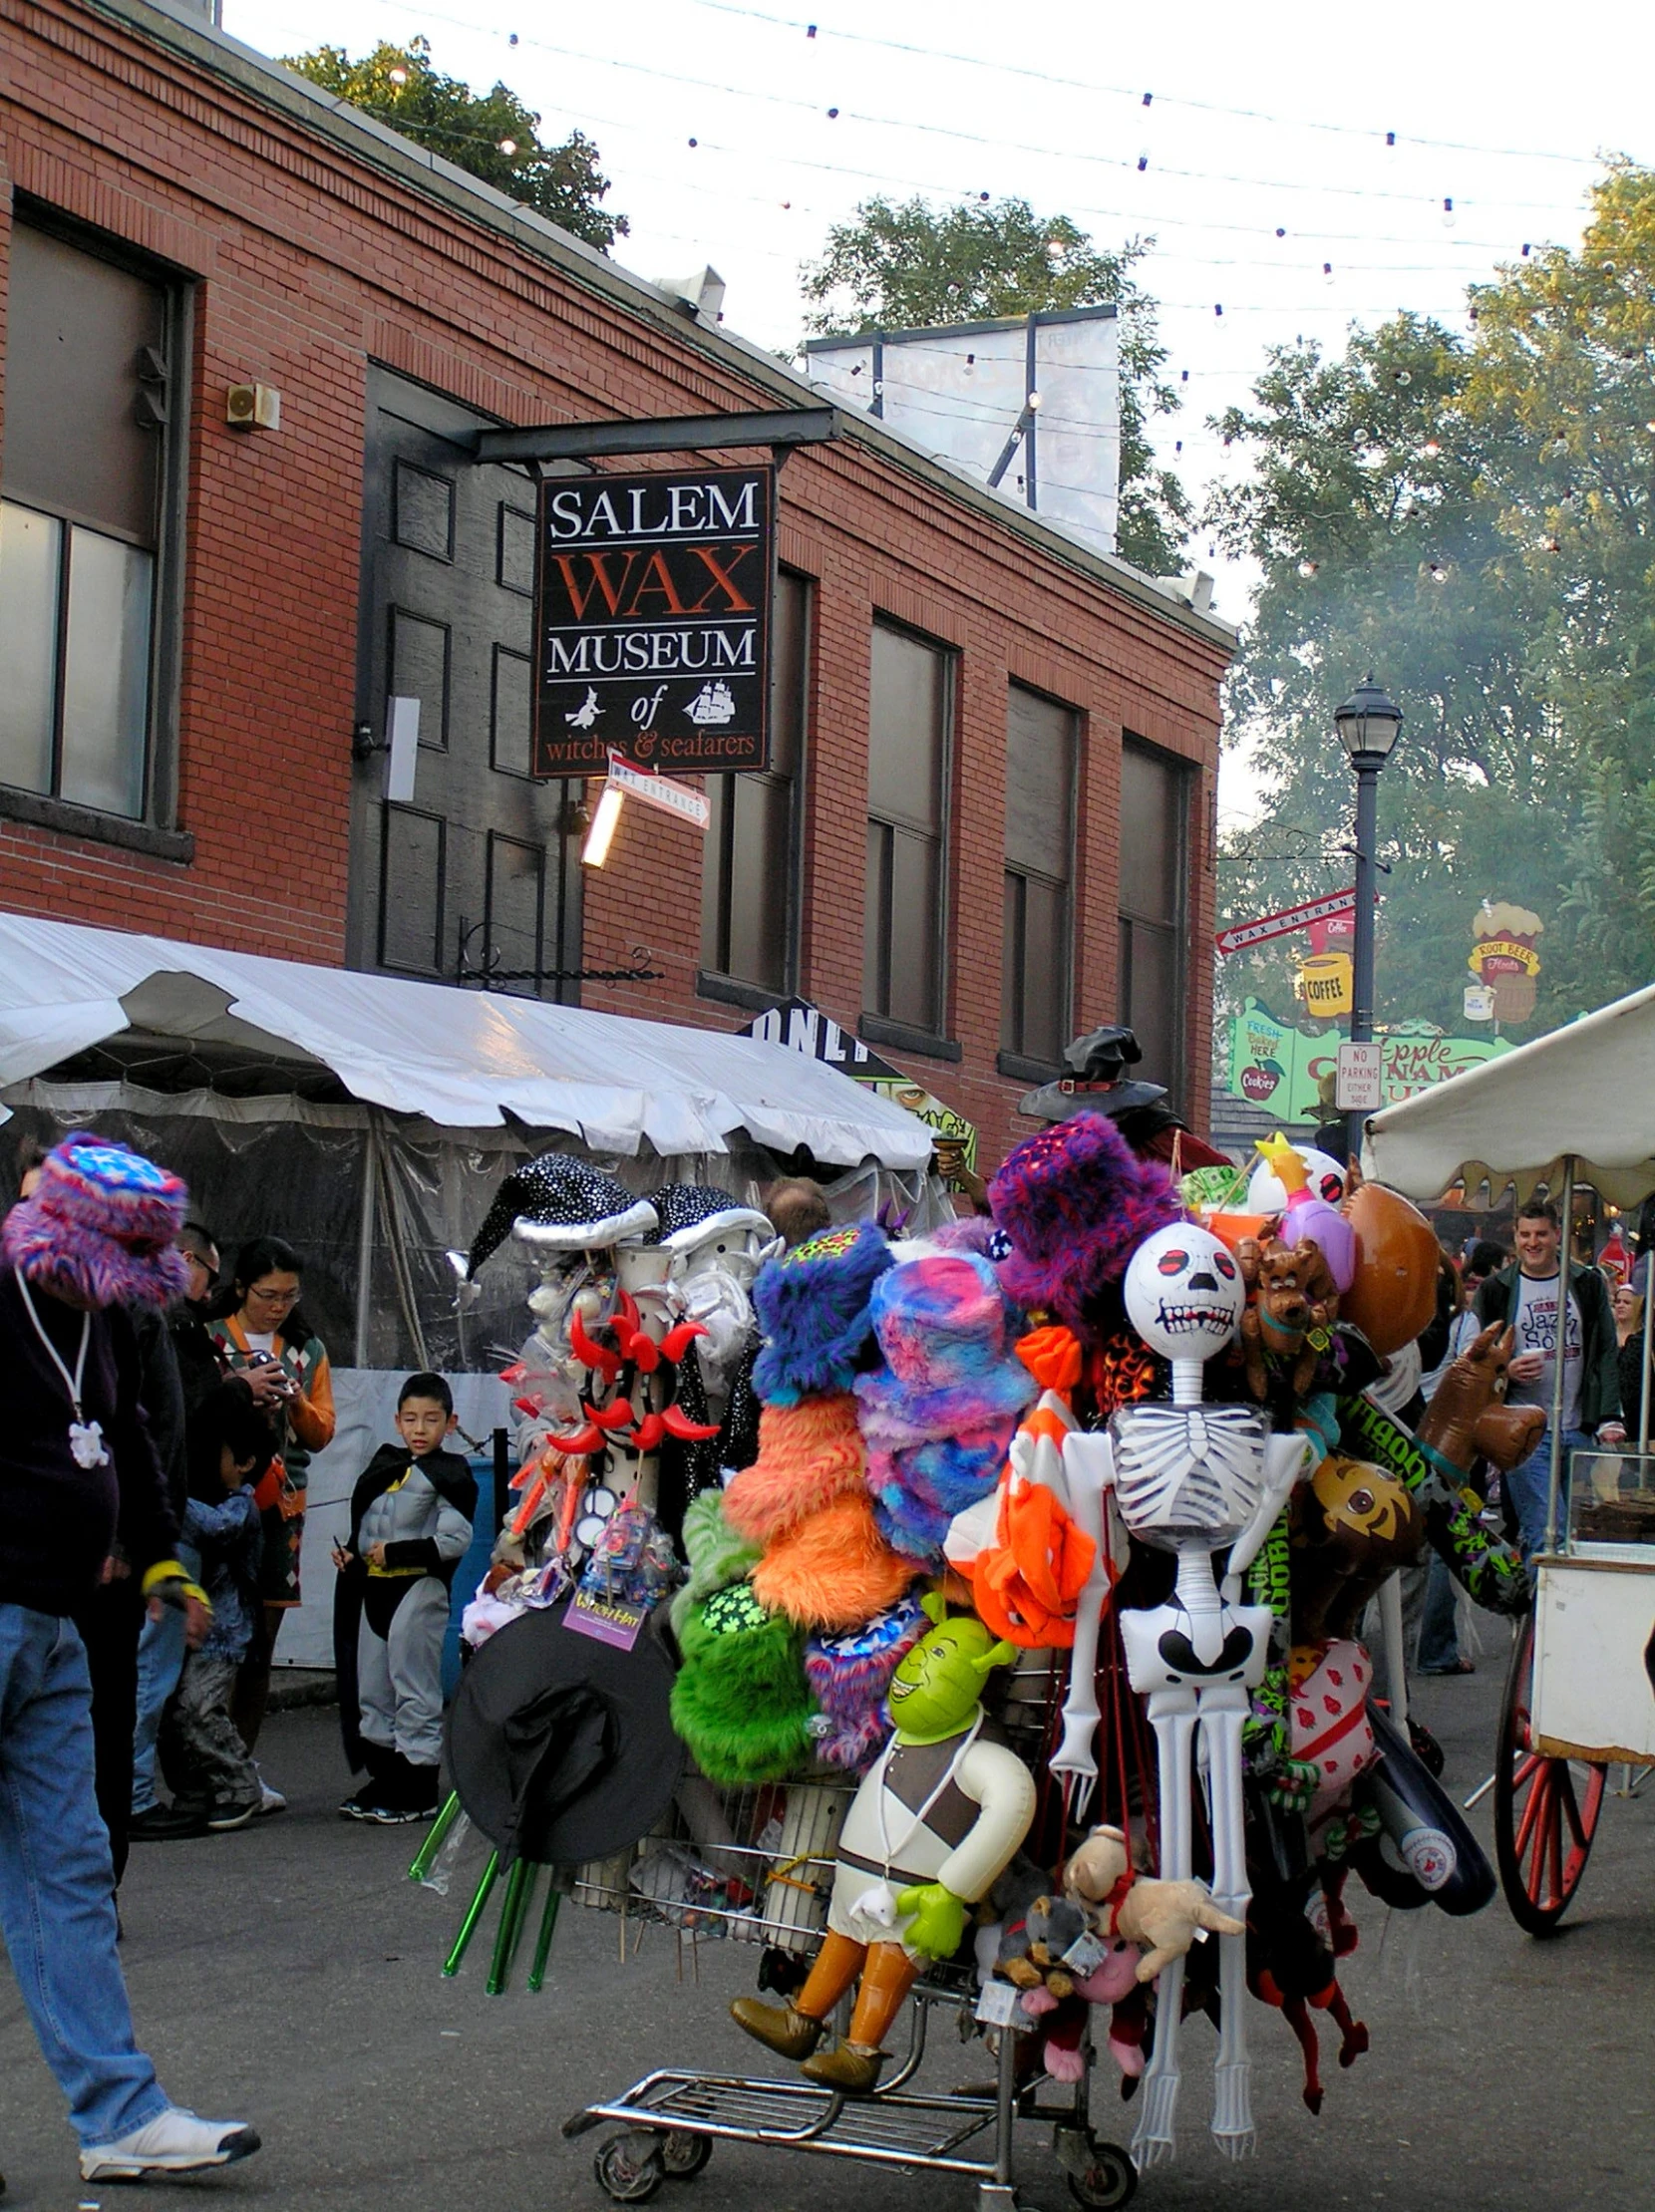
x=939, y=1920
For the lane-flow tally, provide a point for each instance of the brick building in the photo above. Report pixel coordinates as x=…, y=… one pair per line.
x=989, y=819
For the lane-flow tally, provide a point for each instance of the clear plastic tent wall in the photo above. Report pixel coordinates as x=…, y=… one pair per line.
x=281, y=1166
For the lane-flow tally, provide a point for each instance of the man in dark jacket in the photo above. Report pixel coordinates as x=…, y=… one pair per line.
x=80, y=1495
x=1525, y=1295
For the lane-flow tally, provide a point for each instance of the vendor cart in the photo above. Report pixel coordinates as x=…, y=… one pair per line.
x=1574, y=1106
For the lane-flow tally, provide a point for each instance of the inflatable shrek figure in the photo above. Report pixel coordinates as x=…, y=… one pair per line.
x=933, y=1827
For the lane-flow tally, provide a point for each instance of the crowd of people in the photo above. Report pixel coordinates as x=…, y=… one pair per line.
x=152, y=1493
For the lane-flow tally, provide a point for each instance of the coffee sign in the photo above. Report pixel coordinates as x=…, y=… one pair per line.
x=652, y=621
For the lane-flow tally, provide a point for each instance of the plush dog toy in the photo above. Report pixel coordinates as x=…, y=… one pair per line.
x=1162, y=1918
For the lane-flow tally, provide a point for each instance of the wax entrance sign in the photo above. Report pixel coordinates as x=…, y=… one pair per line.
x=660, y=791
x=803, y=1027
x=1274, y=1065
x=1240, y=935
x=652, y=620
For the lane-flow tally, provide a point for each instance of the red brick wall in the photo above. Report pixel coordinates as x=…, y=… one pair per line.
x=312, y=263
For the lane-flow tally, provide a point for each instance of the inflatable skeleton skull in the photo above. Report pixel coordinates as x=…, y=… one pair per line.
x=1184, y=1293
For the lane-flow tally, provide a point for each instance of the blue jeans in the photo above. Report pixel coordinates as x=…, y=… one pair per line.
x=159, y=1664
x=1530, y=1485
x=56, y=1904
x=1439, y=1636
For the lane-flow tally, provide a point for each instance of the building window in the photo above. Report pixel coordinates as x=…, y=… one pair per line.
x=908, y=820
x=1154, y=833
x=84, y=478
x=1041, y=753
x=750, y=880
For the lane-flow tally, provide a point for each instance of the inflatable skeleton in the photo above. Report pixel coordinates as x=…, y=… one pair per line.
x=1196, y=1480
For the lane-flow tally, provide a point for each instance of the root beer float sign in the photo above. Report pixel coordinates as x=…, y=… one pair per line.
x=653, y=621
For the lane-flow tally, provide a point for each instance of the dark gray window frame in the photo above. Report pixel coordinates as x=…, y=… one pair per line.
x=1176, y=1078
x=1025, y=1066
x=718, y=983
x=523, y=514
x=882, y=1029
x=430, y=622
x=398, y=468
x=156, y=832
x=439, y=932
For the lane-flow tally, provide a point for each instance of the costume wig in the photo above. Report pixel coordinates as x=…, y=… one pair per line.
x=740, y=1700
x=938, y=1417
x=850, y=1675
x=1076, y=1201
x=809, y=1454
x=717, y=1555
x=99, y=1225
x=834, y=1569
x=812, y=1305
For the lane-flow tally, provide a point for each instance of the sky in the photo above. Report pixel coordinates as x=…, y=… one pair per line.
x=1299, y=168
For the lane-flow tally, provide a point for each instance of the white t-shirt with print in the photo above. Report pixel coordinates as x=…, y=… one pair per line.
x=1534, y=1317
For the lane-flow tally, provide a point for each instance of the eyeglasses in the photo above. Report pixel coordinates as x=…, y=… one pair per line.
x=272, y=1297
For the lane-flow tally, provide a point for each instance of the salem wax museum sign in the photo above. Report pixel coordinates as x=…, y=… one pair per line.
x=652, y=620
x=1274, y=1065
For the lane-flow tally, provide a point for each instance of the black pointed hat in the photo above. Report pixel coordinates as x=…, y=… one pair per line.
x=557, y=1203
x=687, y=1214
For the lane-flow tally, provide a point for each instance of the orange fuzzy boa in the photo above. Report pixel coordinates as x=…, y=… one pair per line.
x=809, y=1456
x=833, y=1570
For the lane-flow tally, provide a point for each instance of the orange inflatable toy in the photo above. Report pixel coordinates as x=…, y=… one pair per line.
x=1394, y=1294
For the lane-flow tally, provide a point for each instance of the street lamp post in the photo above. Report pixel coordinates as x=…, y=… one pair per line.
x=1368, y=724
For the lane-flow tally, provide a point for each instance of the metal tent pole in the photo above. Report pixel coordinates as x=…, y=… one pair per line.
x=365, y=1239
x=1565, y=1260
x=1648, y=1341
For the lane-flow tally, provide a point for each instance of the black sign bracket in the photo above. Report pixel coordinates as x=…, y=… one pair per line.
x=668, y=434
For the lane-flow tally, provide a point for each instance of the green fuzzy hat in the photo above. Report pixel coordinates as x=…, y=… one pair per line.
x=740, y=1700
x=717, y=1556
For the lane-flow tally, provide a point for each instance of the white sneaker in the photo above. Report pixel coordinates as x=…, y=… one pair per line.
x=270, y=1800
x=175, y=2141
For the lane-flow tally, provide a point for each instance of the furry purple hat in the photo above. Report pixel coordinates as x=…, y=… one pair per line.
x=849, y=1675
x=1076, y=1201
x=100, y=1224
x=939, y=1417
x=813, y=1309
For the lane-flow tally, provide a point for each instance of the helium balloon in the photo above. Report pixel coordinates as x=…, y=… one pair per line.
x=1393, y=1293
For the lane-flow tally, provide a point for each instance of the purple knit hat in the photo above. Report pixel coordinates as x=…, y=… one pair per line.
x=938, y=1417
x=99, y=1225
x=1076, y=1201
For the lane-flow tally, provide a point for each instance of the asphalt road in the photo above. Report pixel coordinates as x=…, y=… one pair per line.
x=289, y=1975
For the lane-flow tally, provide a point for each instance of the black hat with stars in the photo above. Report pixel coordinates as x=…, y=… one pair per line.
x=557, y=1203
x=689, y=1213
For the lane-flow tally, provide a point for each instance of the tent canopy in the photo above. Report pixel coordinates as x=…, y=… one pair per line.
x=1586, y=1089
x=463, y=1058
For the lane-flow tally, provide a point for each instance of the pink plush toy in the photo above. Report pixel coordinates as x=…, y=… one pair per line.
x=1112, y=1982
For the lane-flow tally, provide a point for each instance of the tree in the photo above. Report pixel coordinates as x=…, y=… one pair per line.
x=1470, y=518
x=909, y=267
x=493, y=136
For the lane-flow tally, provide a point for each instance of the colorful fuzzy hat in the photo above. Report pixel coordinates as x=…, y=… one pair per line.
x=939, y=1417
x=850, y=1675
x=812, y=1305
x=100, y=1224
x=740, y=1700
x=1076, y=1201
x=717, y=1555
x=804, y=1499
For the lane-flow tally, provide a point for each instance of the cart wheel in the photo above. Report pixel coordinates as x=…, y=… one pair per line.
x=1109, y=2179
x=629, y=2168
x=1545, y=1810
x=683, y=2155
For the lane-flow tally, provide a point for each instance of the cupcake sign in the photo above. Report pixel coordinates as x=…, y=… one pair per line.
x=1503, y=958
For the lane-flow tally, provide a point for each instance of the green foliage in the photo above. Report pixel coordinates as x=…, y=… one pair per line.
x=399, y=84
x=1469, y=519
x=909, y=267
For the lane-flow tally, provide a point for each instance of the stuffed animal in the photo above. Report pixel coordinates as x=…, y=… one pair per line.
x=929, y=1832
x=1162, y=1918
x=1284, y=1323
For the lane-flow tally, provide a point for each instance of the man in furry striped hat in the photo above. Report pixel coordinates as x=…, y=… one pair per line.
x=82, y=1496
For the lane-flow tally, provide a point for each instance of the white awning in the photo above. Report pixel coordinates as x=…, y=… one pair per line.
x=464, y=1058
x=1588, y=1089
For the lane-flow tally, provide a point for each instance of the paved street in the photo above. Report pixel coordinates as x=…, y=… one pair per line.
x=289, y=1973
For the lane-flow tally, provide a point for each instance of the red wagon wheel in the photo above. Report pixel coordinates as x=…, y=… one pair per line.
x=1545, y=1810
